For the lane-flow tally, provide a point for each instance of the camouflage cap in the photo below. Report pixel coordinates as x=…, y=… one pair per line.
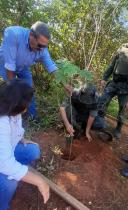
x=88, y=94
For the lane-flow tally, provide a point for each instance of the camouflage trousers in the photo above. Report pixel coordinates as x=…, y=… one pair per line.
x=112, y=89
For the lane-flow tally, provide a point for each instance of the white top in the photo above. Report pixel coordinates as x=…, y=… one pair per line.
x=11, y=132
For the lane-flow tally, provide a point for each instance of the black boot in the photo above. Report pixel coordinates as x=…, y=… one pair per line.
x=117, y=132
x=124, y=172
x=125, y=158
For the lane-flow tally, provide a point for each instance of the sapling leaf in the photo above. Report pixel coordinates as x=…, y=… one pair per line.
x=67, y=71
x=86, y=74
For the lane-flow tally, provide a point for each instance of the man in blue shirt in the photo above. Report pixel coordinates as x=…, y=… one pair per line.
x=21, y=48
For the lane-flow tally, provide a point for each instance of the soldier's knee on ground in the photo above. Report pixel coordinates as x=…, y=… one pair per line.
x=100, y=123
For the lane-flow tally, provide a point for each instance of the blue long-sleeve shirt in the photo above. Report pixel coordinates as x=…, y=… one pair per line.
x=15, y=52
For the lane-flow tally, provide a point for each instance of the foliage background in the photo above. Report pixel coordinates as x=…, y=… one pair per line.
x=86, y=32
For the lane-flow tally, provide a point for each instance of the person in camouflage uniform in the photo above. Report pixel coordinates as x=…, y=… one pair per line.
x=118, y=86
x=83, y=106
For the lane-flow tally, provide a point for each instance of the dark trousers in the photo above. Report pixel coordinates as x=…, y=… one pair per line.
x=119, y=89
x=80, y=120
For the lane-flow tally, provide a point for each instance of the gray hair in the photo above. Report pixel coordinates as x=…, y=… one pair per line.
x=40, y=28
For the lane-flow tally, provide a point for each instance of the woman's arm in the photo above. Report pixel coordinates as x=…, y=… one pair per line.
x=36, y=180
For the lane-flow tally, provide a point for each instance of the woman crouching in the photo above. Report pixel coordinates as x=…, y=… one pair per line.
x=16, y=153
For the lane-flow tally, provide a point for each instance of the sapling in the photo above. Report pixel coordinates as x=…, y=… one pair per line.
x=69, y=73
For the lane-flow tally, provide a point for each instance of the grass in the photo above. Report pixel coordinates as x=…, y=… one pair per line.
x=113, y=108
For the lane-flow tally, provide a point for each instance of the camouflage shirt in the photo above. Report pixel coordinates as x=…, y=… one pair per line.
x=83, y=102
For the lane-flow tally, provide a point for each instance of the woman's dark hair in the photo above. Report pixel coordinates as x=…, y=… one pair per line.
x=15, y=97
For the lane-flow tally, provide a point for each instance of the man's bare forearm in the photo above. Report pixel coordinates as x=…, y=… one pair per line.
x=10, y=74
x=64, y=116
x=89, y=123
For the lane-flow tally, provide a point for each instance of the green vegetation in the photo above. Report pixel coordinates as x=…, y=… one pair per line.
x=70, y=73
x=113, y=108
x=87, y=33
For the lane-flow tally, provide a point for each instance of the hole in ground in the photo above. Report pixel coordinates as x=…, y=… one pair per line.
x=67, y=155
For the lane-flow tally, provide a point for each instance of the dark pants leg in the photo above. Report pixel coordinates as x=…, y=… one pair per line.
x=105, y=99
x=122, y=99
x=75, y=120
x=99, y=123
x=26, y=75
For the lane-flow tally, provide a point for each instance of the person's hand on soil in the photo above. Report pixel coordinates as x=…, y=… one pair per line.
x=25, y=141
x=70, y=129
x=103, y=83
x=88, y=137
x=44, y=190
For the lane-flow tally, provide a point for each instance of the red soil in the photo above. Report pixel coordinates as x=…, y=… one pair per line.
x=93, y=177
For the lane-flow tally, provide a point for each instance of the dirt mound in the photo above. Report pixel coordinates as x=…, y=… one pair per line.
x=92, y=176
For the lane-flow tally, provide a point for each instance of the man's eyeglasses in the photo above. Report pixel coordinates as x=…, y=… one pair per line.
x=40, y=46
